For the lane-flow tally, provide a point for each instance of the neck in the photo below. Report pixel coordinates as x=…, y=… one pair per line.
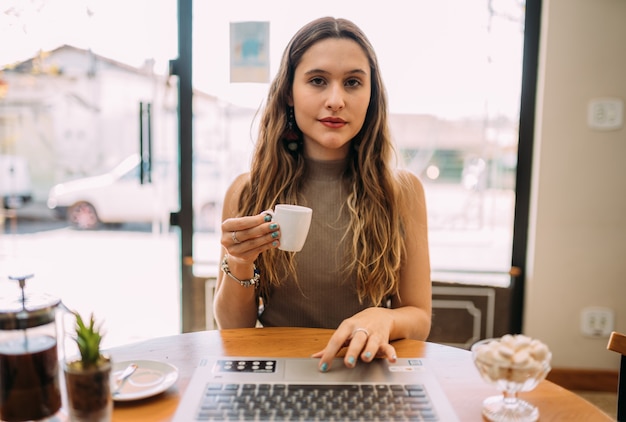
x=327, y=154
x=326, y=169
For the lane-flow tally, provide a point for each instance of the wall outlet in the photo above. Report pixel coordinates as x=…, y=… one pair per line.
x=597, y=321
x=605, y=113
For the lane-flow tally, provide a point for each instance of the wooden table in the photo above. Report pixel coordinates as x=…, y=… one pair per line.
x=454, y=367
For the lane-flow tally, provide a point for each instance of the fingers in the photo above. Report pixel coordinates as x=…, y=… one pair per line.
x=387, y=351
x=335, y=344
x=360, y=345
x=245, y=223
x=246, y=237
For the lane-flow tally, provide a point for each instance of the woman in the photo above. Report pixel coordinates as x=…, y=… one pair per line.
x=324, y=143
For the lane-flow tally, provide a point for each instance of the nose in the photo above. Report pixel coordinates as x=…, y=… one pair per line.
x=335, y=100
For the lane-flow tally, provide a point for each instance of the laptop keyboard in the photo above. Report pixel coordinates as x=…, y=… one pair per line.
x=315, y=402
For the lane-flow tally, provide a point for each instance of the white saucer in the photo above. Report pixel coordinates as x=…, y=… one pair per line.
x=151, y=378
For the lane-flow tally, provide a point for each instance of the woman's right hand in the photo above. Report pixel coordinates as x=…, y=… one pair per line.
x=244, y=238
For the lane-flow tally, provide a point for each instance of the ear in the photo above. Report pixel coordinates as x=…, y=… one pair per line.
x=290, y=100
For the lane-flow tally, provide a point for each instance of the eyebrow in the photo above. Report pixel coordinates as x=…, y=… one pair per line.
x=351, y=72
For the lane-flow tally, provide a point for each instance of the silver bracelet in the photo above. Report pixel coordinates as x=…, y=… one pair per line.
x=254, y=281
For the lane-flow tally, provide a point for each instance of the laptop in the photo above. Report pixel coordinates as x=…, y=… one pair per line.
x=283, y=389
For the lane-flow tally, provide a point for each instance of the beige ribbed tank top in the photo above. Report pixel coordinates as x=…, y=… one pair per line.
x=324, y=295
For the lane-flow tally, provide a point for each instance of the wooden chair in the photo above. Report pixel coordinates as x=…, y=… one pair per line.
x=617, y=343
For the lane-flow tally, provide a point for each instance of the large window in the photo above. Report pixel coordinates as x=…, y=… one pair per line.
x=453, y=73
x=85, y=86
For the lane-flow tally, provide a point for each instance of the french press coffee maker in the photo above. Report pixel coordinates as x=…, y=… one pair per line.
x=29, y=365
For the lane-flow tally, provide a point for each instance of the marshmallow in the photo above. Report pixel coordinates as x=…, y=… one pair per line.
x=515, y=358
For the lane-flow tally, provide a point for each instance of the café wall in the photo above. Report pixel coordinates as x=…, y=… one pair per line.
x=577, y=232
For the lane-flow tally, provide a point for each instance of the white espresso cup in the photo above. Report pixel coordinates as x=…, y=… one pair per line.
x=294, y=222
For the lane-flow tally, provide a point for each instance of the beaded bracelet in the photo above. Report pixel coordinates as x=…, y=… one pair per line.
x=254, y=281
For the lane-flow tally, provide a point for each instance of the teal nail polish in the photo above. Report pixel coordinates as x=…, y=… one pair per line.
x=273, y=226
x=368, y=355
x=324, y=367
x=267, y=218
x=351, y=360
x=274, y=243
x=274, y=235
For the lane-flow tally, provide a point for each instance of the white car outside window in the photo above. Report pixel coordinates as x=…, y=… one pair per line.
x=118, y=196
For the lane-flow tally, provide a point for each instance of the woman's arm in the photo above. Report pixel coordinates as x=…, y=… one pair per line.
x=235, y=305
x=414, y=302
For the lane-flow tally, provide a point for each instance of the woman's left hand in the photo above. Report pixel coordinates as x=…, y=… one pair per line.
x=366, y=336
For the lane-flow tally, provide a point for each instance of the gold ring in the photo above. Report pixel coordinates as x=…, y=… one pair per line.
x=363, y=330
x=234, y=236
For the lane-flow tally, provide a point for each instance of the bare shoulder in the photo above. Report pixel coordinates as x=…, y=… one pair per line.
x=412, y=200
x=231, y=199
x=409, y=184
x=240, y=181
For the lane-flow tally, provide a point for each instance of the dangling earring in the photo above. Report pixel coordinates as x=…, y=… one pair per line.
x=291, y=138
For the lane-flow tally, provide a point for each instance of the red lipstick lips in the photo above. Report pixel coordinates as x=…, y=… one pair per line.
x=334, y=122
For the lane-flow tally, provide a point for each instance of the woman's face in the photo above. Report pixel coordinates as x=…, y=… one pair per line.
x=330, y=95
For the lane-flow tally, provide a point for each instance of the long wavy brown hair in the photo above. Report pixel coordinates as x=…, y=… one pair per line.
x=277, y=174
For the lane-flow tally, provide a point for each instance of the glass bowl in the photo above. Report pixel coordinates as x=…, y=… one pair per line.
x=513, y=364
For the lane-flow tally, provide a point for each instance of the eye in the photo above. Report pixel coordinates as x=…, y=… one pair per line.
x=317, y=81
x=353, y=83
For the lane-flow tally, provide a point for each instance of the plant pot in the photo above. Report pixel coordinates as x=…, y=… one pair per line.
x=89, y=391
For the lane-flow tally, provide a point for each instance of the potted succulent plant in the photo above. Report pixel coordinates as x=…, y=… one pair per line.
x=87, y=376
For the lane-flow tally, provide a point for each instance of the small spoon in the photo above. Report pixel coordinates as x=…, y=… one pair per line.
x=121, y=379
